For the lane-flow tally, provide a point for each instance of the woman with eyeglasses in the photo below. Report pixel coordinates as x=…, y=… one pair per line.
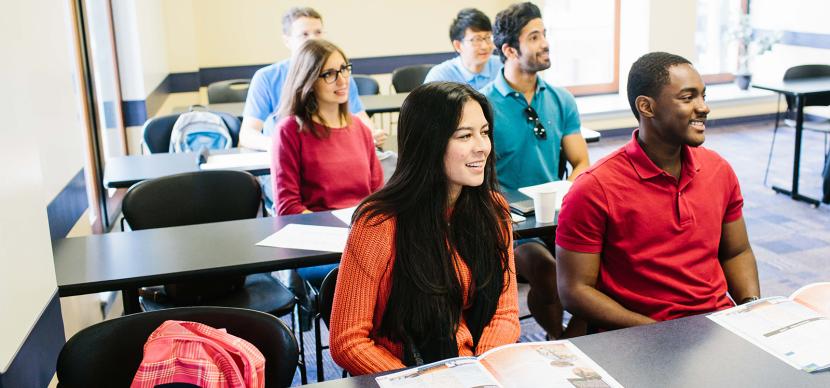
x=428, y=272
x=323, y=157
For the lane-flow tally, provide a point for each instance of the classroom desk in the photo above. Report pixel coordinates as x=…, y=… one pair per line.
x=124, y=171
x=126, y=261
x=688, y=352
x=800, y=90
x=380, y=103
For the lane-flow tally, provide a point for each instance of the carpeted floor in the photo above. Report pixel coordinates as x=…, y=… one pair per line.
x=791, y=240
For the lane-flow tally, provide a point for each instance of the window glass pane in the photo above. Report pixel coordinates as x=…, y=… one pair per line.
x=716, y=52
x=581, y=37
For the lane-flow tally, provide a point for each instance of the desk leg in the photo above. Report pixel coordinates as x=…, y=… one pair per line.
x=129, y=297
x=799, y=131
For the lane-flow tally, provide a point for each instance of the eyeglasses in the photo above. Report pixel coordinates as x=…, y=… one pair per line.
x=479, y=40
x=331, y=76
x=538, y=128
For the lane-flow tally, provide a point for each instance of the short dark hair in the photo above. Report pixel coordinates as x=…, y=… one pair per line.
x=295, y=13
x=649, y=74
x=469, y=18
x=509, y=24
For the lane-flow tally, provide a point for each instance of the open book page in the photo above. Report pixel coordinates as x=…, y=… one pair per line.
x=784, y=328
x=462, y=372
x=545, y=364
x=815, y=296
x=345, y=215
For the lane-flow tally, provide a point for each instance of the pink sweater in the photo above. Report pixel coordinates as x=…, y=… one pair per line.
x=323, y=174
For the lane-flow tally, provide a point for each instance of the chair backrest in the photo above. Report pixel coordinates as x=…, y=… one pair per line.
x=232, y=90
x=107, y=354
x=156, y=131
x=192, y=198
x=366, y=85
x=406, y=78
x=807, y=71
x=326, y=295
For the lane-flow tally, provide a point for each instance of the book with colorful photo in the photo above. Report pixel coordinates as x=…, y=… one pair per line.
x=794, y=329
x=531, y=364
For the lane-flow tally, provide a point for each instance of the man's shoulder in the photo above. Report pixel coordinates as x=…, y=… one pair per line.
x=610, y=165
x=273, y=70
x=444, y=71
x=707, y=156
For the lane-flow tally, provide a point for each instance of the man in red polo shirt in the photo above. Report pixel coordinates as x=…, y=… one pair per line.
x=654, y=231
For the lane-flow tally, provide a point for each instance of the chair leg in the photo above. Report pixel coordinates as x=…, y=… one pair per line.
x=772, y=145
x=318, y=348
x=303, y=372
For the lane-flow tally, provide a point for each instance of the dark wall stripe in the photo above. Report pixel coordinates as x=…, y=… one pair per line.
x=135, y=112
x=34, y=364
x=802, y=39
x=67, y=207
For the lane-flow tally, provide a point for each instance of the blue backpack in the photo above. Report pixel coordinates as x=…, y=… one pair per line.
x=197, y=130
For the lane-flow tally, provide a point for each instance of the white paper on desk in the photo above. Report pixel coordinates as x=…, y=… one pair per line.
x=561, y=188
x=308, y=237
x=344, y=215
x=237, y=161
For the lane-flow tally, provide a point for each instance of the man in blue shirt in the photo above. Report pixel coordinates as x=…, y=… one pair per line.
x=263, y=100
x=471, y=35
x=532, y=121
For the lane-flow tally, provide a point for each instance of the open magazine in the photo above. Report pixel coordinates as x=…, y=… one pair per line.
x=794, y=329
x=531, y=364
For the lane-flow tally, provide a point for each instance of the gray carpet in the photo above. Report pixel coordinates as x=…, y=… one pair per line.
x=791, y=240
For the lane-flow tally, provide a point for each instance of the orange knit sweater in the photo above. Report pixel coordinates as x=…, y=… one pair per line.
x=363, y=287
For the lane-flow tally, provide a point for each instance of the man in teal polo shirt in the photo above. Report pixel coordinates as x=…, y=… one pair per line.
x=532, y=121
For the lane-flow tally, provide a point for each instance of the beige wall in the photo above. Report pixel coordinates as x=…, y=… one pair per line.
x=41, y=121
x=672, y=27
x=225, y=33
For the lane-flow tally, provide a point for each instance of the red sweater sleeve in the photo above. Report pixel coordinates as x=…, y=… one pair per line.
x=366, y=257
x=285, y=167
x=376, y=179
x=504, y=326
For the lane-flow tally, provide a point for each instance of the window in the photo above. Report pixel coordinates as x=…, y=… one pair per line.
x=717, y=54
x=584, y=45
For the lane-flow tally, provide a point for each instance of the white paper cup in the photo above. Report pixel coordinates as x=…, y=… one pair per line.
x=544, y=204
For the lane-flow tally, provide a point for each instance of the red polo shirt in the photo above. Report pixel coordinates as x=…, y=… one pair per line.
x=658, y=238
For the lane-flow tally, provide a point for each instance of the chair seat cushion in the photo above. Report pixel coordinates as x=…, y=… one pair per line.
x=261, y=292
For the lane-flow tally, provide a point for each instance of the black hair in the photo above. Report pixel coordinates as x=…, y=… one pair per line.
x=469, y=18
x=649, y=74
x=425, y=305
x=509, y=23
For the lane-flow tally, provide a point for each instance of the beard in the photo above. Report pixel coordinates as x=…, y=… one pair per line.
x=535, y=63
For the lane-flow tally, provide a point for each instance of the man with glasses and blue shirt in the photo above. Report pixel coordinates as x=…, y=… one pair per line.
x=263, y=100
x=533, y=120
x=471, y=35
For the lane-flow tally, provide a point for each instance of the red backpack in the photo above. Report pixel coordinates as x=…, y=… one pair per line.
x=194, y=353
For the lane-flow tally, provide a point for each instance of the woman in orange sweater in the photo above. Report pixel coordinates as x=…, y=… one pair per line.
x=428, y=272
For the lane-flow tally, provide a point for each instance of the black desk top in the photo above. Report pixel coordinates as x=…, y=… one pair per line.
x=688, y=352
x=804, y=86
x=115, y=261
x=124, y=260
x=125, y=171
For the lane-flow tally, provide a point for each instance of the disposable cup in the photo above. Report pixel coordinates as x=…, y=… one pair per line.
x=544, y=203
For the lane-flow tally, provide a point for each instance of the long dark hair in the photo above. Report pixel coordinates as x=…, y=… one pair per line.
x=298, y=96
x=425, y=303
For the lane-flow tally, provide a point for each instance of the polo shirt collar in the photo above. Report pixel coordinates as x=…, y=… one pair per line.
x=646, y=168
x=467, y=74
x=501, y=85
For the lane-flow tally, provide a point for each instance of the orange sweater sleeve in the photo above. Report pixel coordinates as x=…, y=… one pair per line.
x=504, y=327
x=363, y=265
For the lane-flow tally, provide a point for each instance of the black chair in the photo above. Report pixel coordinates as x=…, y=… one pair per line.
x=196, y=198
x=324, y=300
x=108, y=354
x=232, y=90
x=366, y=85
x=406, y=78
x=816, y=119
x=156, y=131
